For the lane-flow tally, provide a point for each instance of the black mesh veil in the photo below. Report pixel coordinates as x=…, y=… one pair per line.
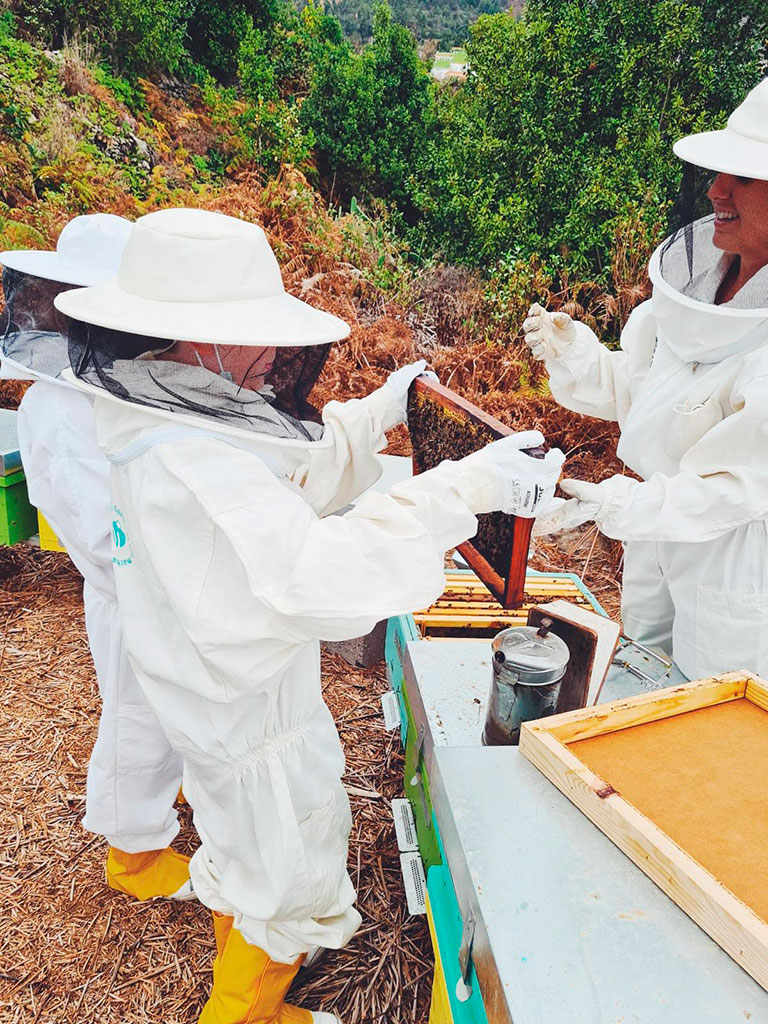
x=691, y=202
x=30, y=325
x=294, y=373
x=259, y=389
x=693, y=265
x=691, y=205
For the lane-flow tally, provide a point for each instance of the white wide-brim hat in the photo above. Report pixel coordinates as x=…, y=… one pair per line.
x=87, y=252
x=741, y=148
x=194, y=275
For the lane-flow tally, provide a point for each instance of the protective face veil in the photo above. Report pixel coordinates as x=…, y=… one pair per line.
x=259, y=389
x=87, y=251
x=30, y=326
x=688, y=263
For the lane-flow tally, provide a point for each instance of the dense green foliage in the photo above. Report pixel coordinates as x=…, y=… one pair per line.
x=562, y=137
x=370, y=113
x=447, y=21
x=138, y=34
x=555, y=153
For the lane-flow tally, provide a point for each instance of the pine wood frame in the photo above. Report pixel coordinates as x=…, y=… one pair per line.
x=724, y=917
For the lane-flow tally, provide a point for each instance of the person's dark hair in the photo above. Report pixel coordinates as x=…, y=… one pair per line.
x=29, y=303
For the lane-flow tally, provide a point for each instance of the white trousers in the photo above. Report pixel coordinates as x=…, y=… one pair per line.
x=705, y=604
x=263, y=776
x=134, y=774
x=647, y=611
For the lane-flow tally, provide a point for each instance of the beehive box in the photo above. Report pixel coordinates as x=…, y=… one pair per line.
x=453, y=1002
x=49, y=540
x=443, y=425
x=10, y=456
x=18, y=519
x=467, y=611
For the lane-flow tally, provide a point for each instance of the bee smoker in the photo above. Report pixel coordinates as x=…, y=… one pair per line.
x=528, y=667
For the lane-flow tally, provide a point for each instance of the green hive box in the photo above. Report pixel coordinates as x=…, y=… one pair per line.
x=416, y=785
x=18, y=519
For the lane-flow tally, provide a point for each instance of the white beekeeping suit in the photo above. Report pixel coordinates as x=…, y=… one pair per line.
x=689, y=388
x=133, y=773
x=229, y=569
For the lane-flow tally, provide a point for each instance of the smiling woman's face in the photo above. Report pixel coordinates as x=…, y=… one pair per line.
x=741, y=216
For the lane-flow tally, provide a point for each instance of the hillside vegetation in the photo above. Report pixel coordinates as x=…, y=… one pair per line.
x=553, y=158
x=446, y=21
x=429, y=217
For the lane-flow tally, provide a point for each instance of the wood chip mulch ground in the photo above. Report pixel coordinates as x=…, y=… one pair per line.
x=71, y=950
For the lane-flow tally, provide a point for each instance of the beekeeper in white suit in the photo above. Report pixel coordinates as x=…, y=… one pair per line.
x=689, y=388
x=134, y=774
x=230, y=568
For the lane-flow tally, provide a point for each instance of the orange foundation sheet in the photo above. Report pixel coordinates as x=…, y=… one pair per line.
x=701, y=777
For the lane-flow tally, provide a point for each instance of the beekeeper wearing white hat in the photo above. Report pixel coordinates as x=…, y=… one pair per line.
x=230, y=567
x=134, y=774
x=689, y=388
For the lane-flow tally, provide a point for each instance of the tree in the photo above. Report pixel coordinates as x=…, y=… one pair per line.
x=370, y=113
x=564, y=131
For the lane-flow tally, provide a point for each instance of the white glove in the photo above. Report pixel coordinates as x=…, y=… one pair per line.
x=548, y=335
x=400, y=382
x=521, y=485
x=565, y=515
x=543, y=524
x=588, y=503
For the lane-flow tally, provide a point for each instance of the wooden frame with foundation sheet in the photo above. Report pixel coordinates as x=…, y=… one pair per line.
x=675, y=779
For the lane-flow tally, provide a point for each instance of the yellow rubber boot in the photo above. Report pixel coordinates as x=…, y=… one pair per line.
x=222, y=925
x=151, y=875
x=249, y=988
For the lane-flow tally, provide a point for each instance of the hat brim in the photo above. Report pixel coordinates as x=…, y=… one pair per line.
x=51, y=267
x=279, y=320
x=725, y=151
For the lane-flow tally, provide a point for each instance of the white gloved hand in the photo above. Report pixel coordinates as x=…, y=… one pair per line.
x=601, y=503
x=400, y=382
x=548, y=335
x=587, y=501
x=542, y=525
x=566, y=515
x=521, y=484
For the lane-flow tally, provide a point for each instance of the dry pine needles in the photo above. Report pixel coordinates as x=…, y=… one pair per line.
x=71, y=950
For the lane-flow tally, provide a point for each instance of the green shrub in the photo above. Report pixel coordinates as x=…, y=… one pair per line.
x=370, y=113
x=134, y=35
